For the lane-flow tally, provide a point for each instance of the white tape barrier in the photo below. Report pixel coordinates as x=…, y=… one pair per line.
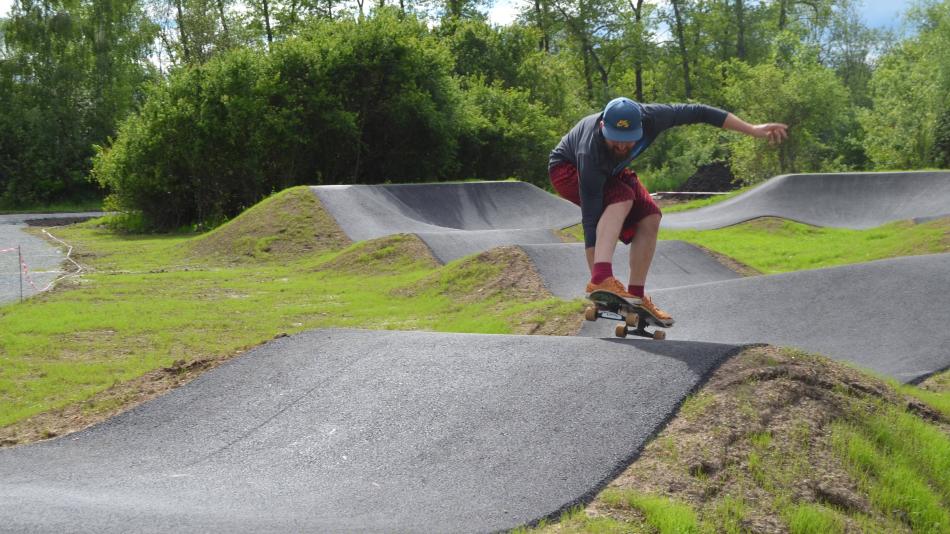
x=25, y=270
x=69, y=258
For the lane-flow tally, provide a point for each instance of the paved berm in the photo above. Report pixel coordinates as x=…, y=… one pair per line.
x=887, y=316
x=842, y=200
x=339, y=430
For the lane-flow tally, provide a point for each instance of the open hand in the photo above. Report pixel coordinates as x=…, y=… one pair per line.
x=775, y=132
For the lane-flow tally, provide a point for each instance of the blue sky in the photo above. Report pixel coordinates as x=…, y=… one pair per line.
x=877, y=13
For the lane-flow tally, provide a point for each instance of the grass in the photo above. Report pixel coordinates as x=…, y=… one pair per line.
x=935, y=391
x=149, y=301
x=58, y=207
x=773, y=246
x=813, y=519
x=703, y=202
x=786, y=458
x=777, y=246
x=886, y=470
x=660, y=514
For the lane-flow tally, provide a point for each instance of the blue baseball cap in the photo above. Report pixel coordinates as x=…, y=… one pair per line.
x=623, y=120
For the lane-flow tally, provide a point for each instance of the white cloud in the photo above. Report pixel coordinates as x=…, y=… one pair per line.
x=502, y=13
x=5, y=6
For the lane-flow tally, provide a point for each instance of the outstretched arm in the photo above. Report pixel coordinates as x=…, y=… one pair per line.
x=775, y=132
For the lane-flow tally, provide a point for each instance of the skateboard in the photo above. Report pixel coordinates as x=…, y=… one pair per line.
x=635, y=320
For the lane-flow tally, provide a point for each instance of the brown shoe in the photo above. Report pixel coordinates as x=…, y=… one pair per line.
x=661, y=316
x=612, y=285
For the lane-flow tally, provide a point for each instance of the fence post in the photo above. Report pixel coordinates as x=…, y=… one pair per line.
x=19, y=257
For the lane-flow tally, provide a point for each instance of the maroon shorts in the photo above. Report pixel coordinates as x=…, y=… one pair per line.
x=620, y=188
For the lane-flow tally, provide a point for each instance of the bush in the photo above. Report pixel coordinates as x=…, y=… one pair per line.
x=941, y=149
x=803, y=94
x=346, y=103
x=508, y=134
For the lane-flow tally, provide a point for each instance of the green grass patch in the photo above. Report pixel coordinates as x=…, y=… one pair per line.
x=288, y=224
x=577, y=521
x=573, y=233
x=663, y=514
x=813, y=519
x=726, y=517
x=694, y=405
x=935, y=391
x=703, y=202
x=146, y=303
x=777, y=246
x=893, y=456
x=56, y=207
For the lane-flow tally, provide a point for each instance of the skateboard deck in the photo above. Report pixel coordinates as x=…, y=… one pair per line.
x=635, y=319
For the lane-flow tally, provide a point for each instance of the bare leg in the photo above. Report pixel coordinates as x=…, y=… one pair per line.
x=608, y=230
x=642, y=249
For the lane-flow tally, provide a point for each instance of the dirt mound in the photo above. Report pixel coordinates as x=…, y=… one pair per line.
x=391, y=254
x=504, y=275
x=292, y=223
x=714, y=177
x=758, y=435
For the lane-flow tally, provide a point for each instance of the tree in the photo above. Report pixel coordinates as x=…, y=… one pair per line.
x=908, y=90
x=72, y=70
x=594, y=31
x=679, y=29
x=347, y=102
x=803, y=94
x=941, y=149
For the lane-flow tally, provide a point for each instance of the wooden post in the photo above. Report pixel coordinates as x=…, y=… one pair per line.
x=19, y=267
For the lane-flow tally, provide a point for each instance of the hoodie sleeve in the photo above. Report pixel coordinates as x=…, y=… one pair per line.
x=591, y=183
x=667, y=116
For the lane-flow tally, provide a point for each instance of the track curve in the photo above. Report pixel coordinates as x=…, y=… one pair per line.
x=889, y=316
x=453, y=219
x=844, y=200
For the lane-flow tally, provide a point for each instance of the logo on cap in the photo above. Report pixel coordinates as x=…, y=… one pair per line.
x=623, y=123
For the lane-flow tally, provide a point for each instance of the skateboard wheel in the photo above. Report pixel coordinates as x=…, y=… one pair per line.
x=659, y=335
x=590, y=313
x=621, y=330
x=632, y=320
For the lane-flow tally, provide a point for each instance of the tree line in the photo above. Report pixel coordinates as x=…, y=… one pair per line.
x=186, y=111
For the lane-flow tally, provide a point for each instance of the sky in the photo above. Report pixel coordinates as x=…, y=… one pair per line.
x=877, y=13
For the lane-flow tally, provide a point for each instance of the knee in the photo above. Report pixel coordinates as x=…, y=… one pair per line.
x=649, y=225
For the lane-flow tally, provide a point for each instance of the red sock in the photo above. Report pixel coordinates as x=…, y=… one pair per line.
x=602, y=271
x=636, y=291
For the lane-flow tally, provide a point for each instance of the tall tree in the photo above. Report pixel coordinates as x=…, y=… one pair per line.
x=638, y=30
x=741, y=29
x=679, y=29
x=72, y=70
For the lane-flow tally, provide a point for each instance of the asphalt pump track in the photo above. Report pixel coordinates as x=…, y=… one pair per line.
x=337, y=430
x=841, y=200
x=411, y=431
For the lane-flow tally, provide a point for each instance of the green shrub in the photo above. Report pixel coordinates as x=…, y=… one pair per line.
x=346, y=103
x=507, y=135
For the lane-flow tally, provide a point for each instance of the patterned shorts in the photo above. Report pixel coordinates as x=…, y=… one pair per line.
x=620, y=188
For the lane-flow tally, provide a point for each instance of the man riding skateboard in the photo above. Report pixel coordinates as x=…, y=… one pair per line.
x=589, y=168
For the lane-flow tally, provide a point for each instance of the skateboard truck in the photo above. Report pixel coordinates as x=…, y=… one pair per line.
x=634, y=320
